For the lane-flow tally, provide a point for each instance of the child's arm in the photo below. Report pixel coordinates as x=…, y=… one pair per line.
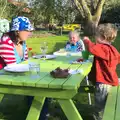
x=95, y=49
x=82, y=44
x=119, y=59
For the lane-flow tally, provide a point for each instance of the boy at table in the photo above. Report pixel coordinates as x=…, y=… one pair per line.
x=75, y=44
x=103, y=73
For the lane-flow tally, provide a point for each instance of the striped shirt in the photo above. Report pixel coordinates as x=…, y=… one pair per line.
x=8, y=51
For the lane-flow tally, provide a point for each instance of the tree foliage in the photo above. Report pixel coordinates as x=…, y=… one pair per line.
x=3, y=8
x=53, y=11
x=65, y=11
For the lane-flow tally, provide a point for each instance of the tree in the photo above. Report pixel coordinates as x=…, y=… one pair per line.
x=111, y=12
x=91, y=11
x=52, y=11
x=3, y=11
x=65, y=11
x=15, y=8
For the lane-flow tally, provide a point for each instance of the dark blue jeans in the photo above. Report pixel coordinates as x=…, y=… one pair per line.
x=44, y=109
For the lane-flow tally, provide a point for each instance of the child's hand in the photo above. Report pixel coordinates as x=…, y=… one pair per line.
x=86, y=38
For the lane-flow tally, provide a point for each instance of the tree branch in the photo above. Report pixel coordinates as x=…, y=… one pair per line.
x=86, y=10
x=99, y=8
x=79, y=7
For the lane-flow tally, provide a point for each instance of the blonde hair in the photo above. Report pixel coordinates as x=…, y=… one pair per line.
x=74, y=33
x=108, y=31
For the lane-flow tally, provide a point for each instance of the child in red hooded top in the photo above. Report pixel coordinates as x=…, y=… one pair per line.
x=103, y=73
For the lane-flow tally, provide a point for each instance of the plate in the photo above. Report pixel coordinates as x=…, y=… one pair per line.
x=46, y=56
x=75, y=62
x=73, y=72
x=17, y=68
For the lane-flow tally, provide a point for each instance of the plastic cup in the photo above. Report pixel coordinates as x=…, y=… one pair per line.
x=85, y=55
x=34, y=70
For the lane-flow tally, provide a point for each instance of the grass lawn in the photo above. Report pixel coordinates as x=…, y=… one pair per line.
x=15, y=107
x=54, y=43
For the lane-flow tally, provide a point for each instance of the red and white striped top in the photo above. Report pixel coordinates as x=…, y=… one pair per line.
x=7, y=50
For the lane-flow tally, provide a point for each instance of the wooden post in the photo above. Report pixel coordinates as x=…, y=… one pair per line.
x=61, y=31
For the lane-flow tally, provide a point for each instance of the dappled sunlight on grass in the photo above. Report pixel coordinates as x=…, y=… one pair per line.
x=54, y=43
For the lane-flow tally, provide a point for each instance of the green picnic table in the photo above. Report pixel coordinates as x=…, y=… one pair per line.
x=112, y=107
x=46, y=86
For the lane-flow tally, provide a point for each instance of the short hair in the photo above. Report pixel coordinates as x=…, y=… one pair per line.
x=74, y=32
x=108, y=31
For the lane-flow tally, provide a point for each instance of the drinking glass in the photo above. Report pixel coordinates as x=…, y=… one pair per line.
x=34, y=70
x=43, y=48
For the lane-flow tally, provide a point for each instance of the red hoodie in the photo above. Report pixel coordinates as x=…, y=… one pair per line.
x=106, y=58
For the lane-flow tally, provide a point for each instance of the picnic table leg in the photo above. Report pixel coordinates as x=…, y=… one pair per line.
x=1, y=97
x=70, y=109
x=35, y=108
x=89, y=96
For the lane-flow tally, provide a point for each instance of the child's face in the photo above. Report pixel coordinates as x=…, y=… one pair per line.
x=73, y=38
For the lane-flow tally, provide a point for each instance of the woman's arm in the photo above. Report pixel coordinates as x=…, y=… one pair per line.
x=7, y=50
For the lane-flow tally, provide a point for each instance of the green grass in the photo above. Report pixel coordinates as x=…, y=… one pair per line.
x=54, y=43
x=14, y=107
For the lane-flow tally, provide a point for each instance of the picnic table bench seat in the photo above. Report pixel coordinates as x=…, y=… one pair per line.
x=112, y=107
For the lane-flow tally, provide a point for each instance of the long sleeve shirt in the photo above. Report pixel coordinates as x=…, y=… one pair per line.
x=9, y=53
x=106, y=58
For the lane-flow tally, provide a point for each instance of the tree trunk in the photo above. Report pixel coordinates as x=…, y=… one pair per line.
x=91, y=19
x=90, y=27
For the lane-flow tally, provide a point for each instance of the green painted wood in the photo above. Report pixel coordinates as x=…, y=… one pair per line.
x=109, y=112
x=47, y=80
x=65, y=59
x=25, y=79
x=5, y=79
x=32, y=82
x=69, y=109
x=117, y=115
x=19, y=80
x=44, y=83
x=1, y=97
x=43, y=72
x=57, y=83
x=45, y=68
x=35, y=108
x=74, y=81
x=12, y=78
x=33, y=91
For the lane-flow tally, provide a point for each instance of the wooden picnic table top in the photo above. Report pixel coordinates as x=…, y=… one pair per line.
x=47, y=86
x=46, y=80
